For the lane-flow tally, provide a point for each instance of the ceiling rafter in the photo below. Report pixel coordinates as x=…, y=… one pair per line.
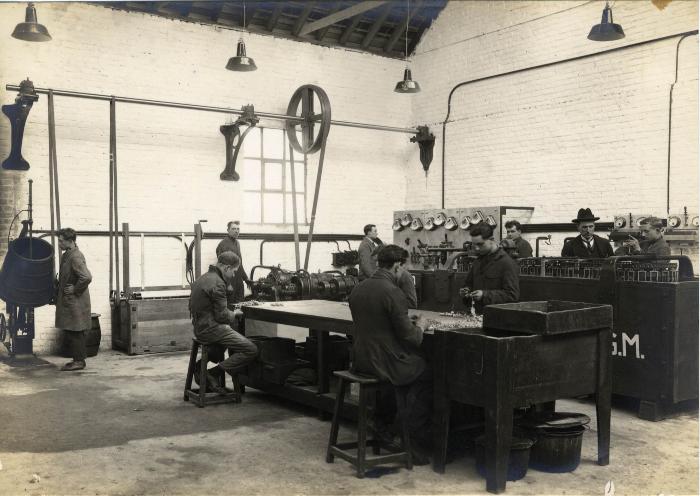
x=336, y=17
x=373, y=26
x=401, y=26
x=308, y=7
x=369, y=37
x=272, y=22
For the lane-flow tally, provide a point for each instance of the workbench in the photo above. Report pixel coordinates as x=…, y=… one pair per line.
x=321, y=317
x=496, y=370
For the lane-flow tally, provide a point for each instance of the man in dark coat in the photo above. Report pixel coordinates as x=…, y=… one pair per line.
x=73, y=298
x=231, y=243
x=586, y=244
x=386, y=343
x=520, y=247
x=213, y=321
x=494, y=276
x=367, y=252
x=654, y=242
x=405, y=281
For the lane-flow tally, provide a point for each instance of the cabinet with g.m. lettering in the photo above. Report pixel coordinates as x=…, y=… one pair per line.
x=655, y=330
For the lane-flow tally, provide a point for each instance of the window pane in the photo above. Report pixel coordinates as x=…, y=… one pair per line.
x=251, y=143
x=299, y=174
x=273, y=208
x=289, y=215
x=301, y=209
x=273, y=143
x=273, y=175
x=251, y=208
x=301, y=214
x=251, y=174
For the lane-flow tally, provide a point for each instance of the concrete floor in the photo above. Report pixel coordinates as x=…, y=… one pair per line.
x=121, y=427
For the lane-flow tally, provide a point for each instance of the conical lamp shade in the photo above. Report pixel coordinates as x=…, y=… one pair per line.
x=407, y=85
x=30, y=30
x=241, y=63
x=606, y=30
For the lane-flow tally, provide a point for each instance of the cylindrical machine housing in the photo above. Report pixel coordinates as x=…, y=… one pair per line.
x=25, y=280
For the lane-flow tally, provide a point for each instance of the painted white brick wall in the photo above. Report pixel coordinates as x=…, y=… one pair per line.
x=590, y=133
x=170, y=160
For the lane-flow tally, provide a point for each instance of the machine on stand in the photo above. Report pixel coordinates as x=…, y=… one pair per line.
x=26, y=282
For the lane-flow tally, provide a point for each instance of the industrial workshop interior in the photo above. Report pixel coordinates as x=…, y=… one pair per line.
x=261, y=247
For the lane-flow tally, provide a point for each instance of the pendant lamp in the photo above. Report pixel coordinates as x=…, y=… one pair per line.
x=241, y=62
x=30, y=29
x=607, y=30
x=407, y=85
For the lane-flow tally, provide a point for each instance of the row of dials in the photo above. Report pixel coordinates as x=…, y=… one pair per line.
x=673, y=221
x=450, y=223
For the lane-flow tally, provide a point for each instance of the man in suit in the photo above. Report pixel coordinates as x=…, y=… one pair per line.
x=230, y=243
x=386, y=344
x=367, y=252
x=73, y=298
x=586, y=244
x=654, y=242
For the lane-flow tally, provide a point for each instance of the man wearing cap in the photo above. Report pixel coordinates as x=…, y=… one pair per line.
x=586, y=244
x=213, y=321
x=654, y=242
x=231, y=243
x=368, y=252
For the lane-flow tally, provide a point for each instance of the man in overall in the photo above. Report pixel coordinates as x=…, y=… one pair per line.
x=231, y=243
x=213, y=321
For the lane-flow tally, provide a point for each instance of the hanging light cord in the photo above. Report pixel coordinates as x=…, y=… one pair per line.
x=244, y=15
x=408, y=14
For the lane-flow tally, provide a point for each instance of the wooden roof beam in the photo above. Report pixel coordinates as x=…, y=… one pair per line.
x=341, y=15
x=308, y=7
x=272, y=22
x=401, y=27
x=375, y=27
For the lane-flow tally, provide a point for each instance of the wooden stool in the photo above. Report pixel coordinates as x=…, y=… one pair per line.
x=201, y=397
x=368, y=386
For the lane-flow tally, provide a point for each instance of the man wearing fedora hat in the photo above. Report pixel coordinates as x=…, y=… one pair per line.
x=586, y=244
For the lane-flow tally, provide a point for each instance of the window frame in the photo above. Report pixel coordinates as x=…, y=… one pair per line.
x=302, y=217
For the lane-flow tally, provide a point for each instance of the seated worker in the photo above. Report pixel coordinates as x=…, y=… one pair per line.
x=586, y=244
x=520, y=247
x=494, y=276
x=386, y=344
x=654, y=242
x=405, y=282
x=213, y=321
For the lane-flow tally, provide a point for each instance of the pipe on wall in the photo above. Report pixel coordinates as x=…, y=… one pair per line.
x=542, y=66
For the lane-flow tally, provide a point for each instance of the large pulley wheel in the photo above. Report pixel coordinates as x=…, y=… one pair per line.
x=316, y=122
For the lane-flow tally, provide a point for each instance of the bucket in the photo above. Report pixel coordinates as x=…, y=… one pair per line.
x=518, y=458
x=557, y=450
x=27, y=281
x=559, y=436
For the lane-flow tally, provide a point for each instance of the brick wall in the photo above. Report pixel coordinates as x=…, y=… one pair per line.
x=170, y=160
x=591, y=133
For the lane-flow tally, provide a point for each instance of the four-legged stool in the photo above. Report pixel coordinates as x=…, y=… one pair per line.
x=368, y=386
x=201, y=397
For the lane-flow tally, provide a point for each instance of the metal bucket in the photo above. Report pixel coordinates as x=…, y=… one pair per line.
x=558, y=450
x=26, y=280
x=518, y=459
